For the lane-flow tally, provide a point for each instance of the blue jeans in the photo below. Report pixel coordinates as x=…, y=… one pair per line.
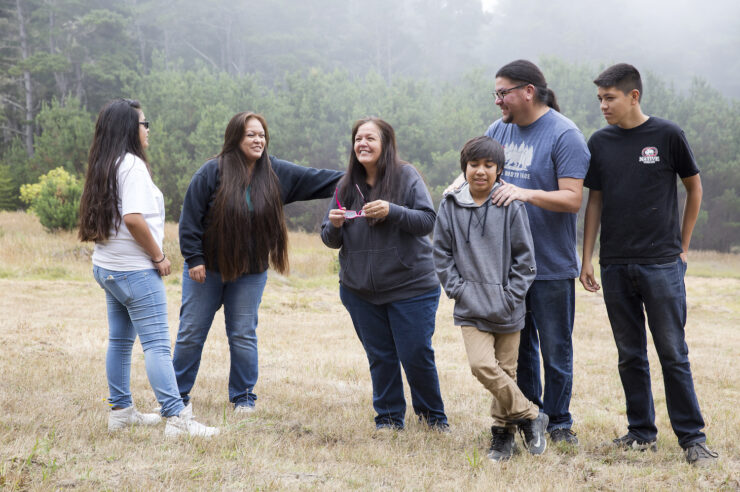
x=548, y=328
x=241, y=299
x=137, y=305
x=393, y=334
x=660, y=290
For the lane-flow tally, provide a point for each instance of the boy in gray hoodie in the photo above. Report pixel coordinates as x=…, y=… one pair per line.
x=484, y=258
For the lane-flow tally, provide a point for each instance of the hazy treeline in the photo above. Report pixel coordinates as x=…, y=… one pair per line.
x=193, y=64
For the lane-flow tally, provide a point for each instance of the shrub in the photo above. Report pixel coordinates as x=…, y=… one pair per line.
x=55, y=199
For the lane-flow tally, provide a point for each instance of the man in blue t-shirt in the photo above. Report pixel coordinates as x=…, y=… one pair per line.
x=546, y=161
x=632, y=182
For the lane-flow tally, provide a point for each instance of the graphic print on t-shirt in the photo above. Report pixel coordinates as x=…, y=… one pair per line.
x=649, y=155
x=518, y=160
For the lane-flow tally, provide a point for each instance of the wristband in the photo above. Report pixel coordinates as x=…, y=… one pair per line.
x=160, y=261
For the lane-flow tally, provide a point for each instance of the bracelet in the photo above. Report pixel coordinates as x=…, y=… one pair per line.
x=160, y=261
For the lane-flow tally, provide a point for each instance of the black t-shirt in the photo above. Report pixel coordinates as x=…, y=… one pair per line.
x=636, y=172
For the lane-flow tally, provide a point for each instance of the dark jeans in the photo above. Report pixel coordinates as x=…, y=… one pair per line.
x=549, y=328
x=660, y=290
x=395, y=334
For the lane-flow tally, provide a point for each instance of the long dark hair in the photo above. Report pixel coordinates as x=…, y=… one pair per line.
x=238, y=239
x=388, y=166
x=116, y=134
x=524, y=71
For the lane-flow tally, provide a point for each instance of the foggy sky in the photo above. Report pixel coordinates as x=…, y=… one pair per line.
x=671, y=38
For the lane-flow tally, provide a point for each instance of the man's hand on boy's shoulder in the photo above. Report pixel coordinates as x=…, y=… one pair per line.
x=507, y=193
x=454, y=186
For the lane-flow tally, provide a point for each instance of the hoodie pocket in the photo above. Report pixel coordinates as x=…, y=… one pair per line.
x=388, y=269
x=484, y=301
x=373, y=271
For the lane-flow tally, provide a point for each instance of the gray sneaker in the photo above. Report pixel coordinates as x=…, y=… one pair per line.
x=533, y=433
x=564, y=435
x=628, y=442
x=126, y=417
x=186, y=424
x=503, y=446
x=699, y=454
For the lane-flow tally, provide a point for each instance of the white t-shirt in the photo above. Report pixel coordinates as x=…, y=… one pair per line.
x=137, y=195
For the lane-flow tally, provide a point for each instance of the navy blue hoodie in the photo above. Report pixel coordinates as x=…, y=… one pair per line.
x=296, y=183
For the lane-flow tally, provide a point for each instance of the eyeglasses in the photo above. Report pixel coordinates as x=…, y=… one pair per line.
x=351, y=214
x=501, y=93
x=145, y=124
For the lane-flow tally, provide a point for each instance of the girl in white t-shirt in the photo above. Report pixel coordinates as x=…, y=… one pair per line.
x=122, y=211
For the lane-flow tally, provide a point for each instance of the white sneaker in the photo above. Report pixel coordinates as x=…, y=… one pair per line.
x=185, y=424
x=244, y=409
x=126, y=417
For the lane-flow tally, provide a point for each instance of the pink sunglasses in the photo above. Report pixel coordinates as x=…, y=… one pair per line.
x=351, y=214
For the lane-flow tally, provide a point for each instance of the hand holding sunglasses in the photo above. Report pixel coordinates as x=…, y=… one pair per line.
x=348, y=214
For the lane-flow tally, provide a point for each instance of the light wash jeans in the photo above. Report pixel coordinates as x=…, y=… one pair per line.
x=241, y=299
x=137, y=306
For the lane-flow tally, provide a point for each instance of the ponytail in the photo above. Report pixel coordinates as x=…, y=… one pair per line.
x=551, y=100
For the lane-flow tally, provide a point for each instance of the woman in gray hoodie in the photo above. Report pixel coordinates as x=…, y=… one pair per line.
x=484, y=257
x=380, y=218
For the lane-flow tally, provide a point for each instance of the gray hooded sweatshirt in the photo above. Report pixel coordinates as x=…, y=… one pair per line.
x=484, y=258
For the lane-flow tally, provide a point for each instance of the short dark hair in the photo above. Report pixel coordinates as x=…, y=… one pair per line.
x=623, y=76
x=482, y=148
x=527, y=72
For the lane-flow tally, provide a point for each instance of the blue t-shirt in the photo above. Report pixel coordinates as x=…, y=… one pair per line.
x=538, y=155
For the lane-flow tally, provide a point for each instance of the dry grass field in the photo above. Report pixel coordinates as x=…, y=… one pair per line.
x=313, y=429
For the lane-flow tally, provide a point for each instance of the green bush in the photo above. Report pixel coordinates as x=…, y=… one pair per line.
x=55, y=199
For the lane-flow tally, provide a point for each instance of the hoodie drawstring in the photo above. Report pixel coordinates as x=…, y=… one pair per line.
x=485, y=217
x=470, y=220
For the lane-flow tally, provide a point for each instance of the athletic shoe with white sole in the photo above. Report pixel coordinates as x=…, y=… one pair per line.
x=503, y=446
x=126, y=417
x=533, y=433
x=185, y=424
x=244, y=409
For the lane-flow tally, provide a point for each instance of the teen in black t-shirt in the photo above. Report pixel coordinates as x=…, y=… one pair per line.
x=632, y=182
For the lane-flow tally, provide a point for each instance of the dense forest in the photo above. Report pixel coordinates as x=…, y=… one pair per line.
x=312, y=68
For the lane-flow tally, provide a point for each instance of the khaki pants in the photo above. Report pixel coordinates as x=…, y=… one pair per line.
x=493, y=358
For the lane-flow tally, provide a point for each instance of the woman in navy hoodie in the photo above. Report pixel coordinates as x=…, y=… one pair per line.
x=380, y=217
x=232, y=227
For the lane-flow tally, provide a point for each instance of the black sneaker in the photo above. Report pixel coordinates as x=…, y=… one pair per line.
x=563, y=435
x=533, y=433
x=503, y=446
x=627, y=442
x=699, y=454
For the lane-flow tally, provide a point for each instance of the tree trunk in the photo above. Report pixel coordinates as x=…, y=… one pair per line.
x=140, y=39
x=27, y=87
x=59, y=77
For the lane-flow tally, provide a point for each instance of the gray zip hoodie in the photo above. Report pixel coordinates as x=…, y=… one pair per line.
x=484, y=257
x=391, y=260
